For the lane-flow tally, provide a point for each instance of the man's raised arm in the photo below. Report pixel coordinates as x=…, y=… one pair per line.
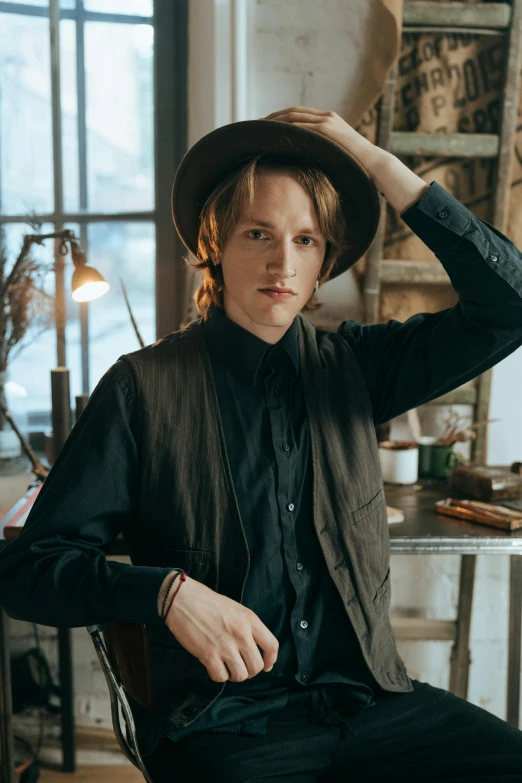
x=408, y=364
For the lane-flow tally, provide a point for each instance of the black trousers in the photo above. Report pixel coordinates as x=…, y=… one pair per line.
x=425, y=735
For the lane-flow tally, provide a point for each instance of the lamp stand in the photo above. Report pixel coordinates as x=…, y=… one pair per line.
x=60, y=408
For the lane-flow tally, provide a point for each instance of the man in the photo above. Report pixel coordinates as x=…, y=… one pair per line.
x=242, y=449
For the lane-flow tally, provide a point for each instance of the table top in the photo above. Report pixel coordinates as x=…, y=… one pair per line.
x=423, y=530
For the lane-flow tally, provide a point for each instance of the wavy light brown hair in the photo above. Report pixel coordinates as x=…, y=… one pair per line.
x=223, y=207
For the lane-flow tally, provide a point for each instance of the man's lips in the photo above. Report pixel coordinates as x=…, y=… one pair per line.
x=279, y=294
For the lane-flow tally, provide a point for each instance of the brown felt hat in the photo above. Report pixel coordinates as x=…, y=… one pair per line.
x=215, y=155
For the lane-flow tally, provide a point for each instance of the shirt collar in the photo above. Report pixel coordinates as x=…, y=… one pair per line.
x=241, y=350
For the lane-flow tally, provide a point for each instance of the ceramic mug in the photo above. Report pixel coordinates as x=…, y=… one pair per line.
x=425, y=452
x=443, y=460
x=399, y=461
x=436, y=460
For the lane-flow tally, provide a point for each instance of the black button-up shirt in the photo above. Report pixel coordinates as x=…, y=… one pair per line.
x=262, y=406
x=56, y=572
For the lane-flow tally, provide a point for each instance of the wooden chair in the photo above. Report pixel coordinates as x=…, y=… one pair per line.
x=122, y=650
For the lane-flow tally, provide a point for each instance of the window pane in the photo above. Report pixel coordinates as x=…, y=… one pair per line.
x=125, y=250
x=141, y=7
x=68, y=4
x=26, y=168
x=69, y=99
x=120, y=145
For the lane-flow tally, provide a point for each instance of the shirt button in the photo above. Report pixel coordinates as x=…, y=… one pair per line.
x=299, y=566
x=303, y=676
x=290, y=507
x=303, y=624
x=443, y=213
x=493, y=257
x=286, y=447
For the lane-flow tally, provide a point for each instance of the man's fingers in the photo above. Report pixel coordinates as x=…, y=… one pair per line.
x=268, y=643
x=237, y=668
x=253, y=659
x=296, y=119
x=295, y=109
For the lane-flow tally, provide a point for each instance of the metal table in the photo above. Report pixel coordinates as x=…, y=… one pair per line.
x=426, y=532
x=422, y=532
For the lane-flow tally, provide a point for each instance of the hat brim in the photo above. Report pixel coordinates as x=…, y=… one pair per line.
x=206, y=164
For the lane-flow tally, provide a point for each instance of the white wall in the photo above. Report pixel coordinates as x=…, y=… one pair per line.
x=505, y=436
x=278, y=76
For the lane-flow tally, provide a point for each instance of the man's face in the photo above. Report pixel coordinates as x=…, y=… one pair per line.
x=276, y=235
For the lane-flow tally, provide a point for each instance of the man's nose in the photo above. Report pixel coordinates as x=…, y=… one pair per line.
x=282, y=260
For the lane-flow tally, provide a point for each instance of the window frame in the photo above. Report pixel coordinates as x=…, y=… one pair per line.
x=170, y=23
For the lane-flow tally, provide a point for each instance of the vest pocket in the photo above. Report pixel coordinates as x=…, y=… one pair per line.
x=361, y=513
x=194, y=561
x=371, y=538
x=188, y=559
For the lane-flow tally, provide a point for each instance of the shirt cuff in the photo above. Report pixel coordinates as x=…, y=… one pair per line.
x=438, y=218
x=136, y=592
x=444, y=224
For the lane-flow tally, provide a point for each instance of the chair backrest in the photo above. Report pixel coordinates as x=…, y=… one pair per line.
x=131, y=664
x=128, y=648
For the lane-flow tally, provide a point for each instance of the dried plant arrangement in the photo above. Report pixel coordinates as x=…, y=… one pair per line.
x=456, y=430
x=27, y=309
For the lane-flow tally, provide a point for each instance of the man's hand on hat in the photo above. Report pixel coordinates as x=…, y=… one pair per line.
x=334, y=127
x=400, y=186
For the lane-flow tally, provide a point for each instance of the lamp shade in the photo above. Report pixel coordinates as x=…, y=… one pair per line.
x=88, y=284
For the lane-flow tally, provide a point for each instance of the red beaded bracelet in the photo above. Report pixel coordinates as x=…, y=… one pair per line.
x=182, y=577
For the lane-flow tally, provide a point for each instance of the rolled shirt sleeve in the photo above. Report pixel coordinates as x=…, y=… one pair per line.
x=56, y=571
x=408, y=364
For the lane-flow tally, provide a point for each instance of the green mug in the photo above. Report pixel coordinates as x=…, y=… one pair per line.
x=424, y=460
x=436, y=460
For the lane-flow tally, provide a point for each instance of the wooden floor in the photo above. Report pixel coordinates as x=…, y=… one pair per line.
x=101, y=774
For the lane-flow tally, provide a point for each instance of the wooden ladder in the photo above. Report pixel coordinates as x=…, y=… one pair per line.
x=451, y=17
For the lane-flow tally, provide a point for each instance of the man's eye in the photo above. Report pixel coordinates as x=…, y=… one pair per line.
x=256, y=231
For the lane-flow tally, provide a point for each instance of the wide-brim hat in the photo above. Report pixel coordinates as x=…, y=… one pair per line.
x=223, y=150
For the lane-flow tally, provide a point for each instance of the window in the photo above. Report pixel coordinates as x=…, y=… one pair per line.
x=105, y=186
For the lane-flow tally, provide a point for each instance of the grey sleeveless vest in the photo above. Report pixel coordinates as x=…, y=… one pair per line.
x=188, y=514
